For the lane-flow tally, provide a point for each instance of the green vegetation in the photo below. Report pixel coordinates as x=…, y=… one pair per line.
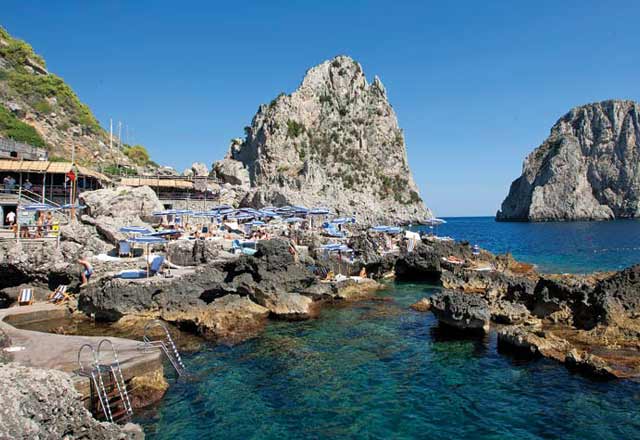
x=58, y=159
x=294, y=129
x=274, y=100
x=36, y=88
x=414, y=197
x=43, y=107
x=138, y=154
x=118, y=170
x=15, y=129
x=16, y=52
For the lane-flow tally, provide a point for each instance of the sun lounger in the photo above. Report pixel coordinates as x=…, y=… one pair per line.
x=154, y=268
x=26, y=297
x=60, y=295
x=238, y=247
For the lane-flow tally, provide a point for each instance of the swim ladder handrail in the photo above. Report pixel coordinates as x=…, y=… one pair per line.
x=95, y=358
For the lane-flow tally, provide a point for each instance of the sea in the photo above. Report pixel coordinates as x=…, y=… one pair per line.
x=379, y=370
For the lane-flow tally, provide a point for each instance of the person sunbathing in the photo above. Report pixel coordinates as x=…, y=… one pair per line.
x=363, y=272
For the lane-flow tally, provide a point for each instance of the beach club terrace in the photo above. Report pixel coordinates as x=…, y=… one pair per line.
x=176, y=191
x=47, y=179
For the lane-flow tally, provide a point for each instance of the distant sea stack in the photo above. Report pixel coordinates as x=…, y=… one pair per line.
x=334, y=142
x=587, y=169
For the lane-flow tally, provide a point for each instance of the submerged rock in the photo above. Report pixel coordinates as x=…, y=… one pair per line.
x=423, y=305
x=587, y=169
x=461, y=311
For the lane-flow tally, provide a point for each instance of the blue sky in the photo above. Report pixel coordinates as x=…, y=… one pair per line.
x=476, y=85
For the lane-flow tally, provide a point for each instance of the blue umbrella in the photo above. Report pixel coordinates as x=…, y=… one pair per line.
x=147, y=239
x=319, y=211
x=343, y=220
x=72, y=206
x=135, y=230
x=165, y=212
x=379, y=228
x=257, y=223
x=293, y=220
x=163, y=232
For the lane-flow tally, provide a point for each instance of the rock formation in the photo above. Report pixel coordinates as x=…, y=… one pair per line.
x=587, y=169
x=333, y=142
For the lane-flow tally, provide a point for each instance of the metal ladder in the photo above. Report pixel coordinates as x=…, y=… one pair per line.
x=109, y=400
x=116, y=372
x=166, y=344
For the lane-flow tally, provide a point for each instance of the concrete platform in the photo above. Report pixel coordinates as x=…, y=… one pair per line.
x=60, y=352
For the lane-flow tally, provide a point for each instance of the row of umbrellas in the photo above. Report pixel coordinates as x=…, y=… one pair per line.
x=289, y=214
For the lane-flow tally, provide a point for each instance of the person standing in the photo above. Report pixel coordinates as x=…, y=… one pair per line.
x=10, y=219
x=86, y=271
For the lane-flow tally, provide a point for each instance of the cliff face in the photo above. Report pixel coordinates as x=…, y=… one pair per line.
x=333, y=142
x=39, y=108
x=587, y=169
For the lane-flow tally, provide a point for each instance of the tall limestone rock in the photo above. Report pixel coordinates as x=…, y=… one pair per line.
x=334, y=142
x=587, y=169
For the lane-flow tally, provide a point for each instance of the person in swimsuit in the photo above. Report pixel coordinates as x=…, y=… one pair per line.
x=87, y=271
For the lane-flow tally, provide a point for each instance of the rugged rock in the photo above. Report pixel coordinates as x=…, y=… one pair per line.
x=37, y=403
x=122, y=202
x=587, y=169
x=335, y=142
x=228, y=320
x=192, y=252
x=5, y=357
x=461, y=311
x=232, y=171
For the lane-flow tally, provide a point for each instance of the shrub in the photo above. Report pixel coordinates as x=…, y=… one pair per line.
x=15, y=129
x=43, y=107
x=414, y=197
x=138, y=154
x=294, y=129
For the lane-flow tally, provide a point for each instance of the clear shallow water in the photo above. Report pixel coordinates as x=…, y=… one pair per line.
x=575, y=247
x=380, y=370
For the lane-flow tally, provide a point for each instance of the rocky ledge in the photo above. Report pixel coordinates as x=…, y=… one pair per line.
x=591, y=323
x=226, y=301
x=36, y=403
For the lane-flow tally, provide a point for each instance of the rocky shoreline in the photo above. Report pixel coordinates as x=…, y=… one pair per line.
x=589, y=323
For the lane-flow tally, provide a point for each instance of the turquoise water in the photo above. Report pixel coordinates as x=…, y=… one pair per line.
x=379, y=370
x=575, y=247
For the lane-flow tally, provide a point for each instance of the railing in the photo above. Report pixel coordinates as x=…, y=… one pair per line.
x=166, y=344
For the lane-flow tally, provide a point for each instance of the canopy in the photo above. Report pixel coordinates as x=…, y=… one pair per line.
x=38, y=207
x=293, y=220
x=257, y=223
